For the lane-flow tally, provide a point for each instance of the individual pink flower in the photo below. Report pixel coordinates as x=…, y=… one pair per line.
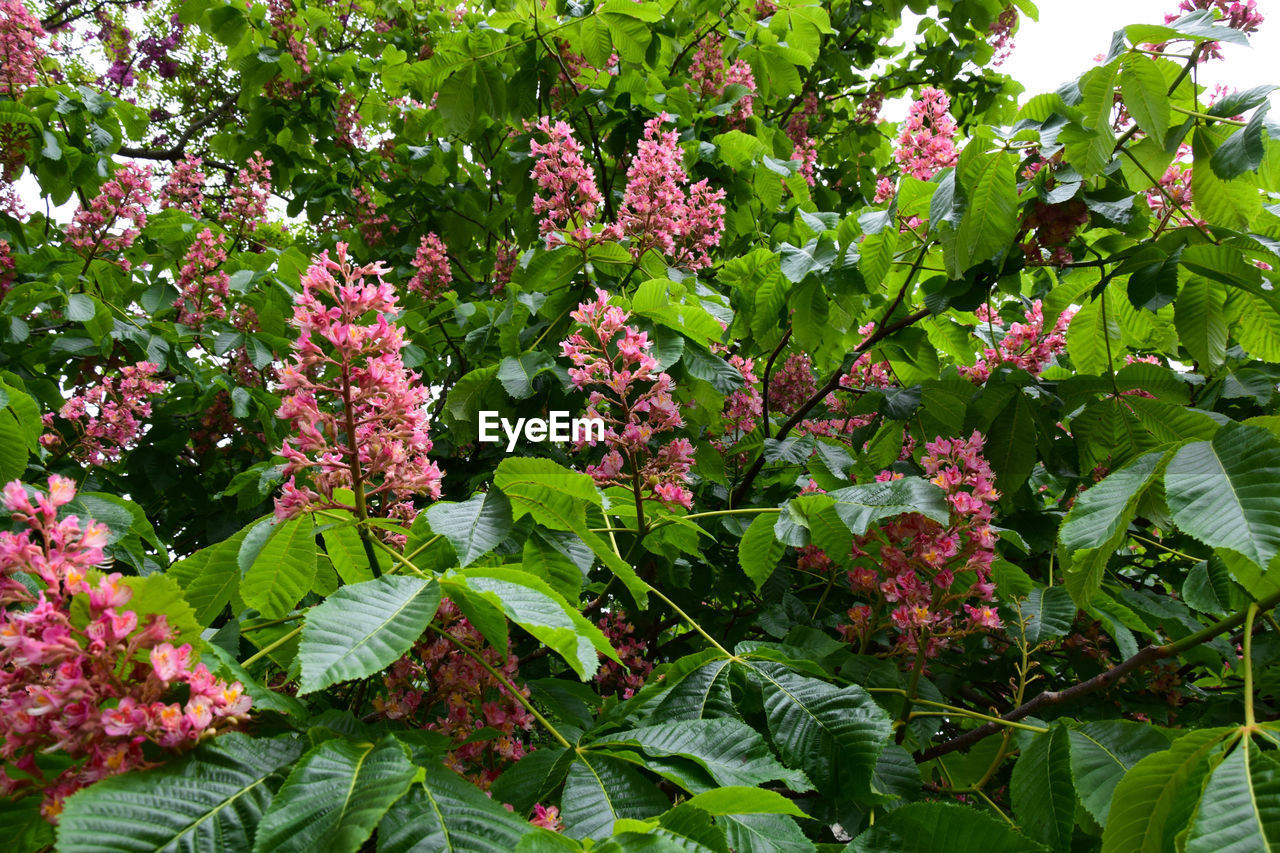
x=547, y=817
x=432, y=275
x=106, y=417
x=359, y=416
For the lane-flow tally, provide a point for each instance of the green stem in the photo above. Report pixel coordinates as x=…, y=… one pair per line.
x=1206, y=116
x=1249, y=719
x=271, y=647
x=505, y=682
x=692, y=624
x=260, y=625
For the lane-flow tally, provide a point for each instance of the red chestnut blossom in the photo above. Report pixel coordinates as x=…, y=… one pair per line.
x=657, y=213
x=615, y=363
x=442, y=688
x=916, y=575
x=203, y=287
x=121, y=201
x=20, y=52
x=505, y=259
x=925, y=145
x=868, y=112
x=568, y=196
x=711, y=79
x=1025, y=346
x=348, y=131
x=107, y=416
x=628, y=677
x=247, y=205
x=359, y=416
x=792, y=384
x=7, y=266
x=185, y=187
x=1002, y=35
x=81, y=675
x=433, y=275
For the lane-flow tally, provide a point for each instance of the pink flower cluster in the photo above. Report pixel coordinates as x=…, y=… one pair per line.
x=804, y=149
x=792, y=384
x=359, y=416
x=616, y=363
x=203, y=288
x=568, y=197
x=122, y=199
x=1025, y=346
x=20, y=52
x=72, y=673
x=1240, y=15
x=1002, y=34
x=432, y=275
x=348, y=130
x=7, y=266
x=711, y=79
x=107, y=416
x=917, y=576
x=505, y=259
x=658, y=212
x=444, y=689
x=926, y=144
x=1171, y=199
x=247, y=206
x=185, y=188
x=623, y=679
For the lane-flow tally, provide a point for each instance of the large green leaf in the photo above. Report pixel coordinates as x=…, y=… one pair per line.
x=737, y=800
x=1093, y=338
x=1044, y=800
x=363, y=628
x=1096, y=524
x=1232, y=204
x=1226, y=492
x=859, y=506
x=447, y=814
x=1048, y=614
x=335, y=796
x=704, y=692
x=528, y=601
x=552, y=494
x=282, y=572
x=990, y=220
x=731, y=751
x=474, y=527
x=940, y=828
x=1145, y=94
x=1102, y=752
x=599, y=790
x=759, y=551
x=1200, y=318
x=210, y=577
x=834, y=734
x=1153, y=802
x=1240, y=811
x=209, y=801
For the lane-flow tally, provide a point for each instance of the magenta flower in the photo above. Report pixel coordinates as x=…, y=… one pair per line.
x=1025, y=346
x=359, y=416
x=204, y=288
x=247, y=199
x=185, y=188
x=120, y=204
x=432, y=274
x=568, y=196
x=20, y=52
x=107, y=416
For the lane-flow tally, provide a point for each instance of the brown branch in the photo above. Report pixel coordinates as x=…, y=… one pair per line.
x=179, y=148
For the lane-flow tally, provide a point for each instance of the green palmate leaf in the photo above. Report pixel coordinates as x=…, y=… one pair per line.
x=990, y=220
x=1241, y=807
x=549, y=559
x=283, y=570
x=761, y=833
x=529, y=602
x=859, y=506
x=1145, y=95
x=1226, y=492
x=1154, y=800
x=209, y=801
x=343, y=546
x=363, y=628
x=1201, y=321
x=1044, y=801
x=940, y=828
x=1048, y=614
x=1102, y=753
x=1093, y=338
x=1097, y=523
x=834, y=734
x=702, y=693
x=335, y=797
x=600, y=790
x=1011, y=444
x=759, y=552
x=210, y=577
x=447, y=814
x=23, y=826
x=475, y=526
x=1255, y=322
x=731, y=751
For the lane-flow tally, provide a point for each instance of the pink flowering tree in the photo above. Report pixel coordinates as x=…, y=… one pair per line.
x=634, y=426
